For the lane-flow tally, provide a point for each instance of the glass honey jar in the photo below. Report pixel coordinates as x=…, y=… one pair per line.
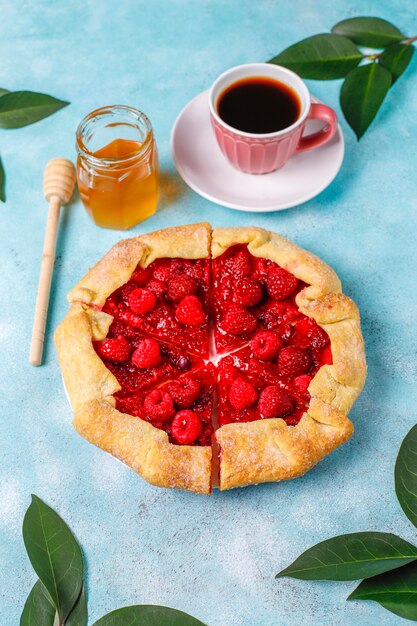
x=117, y=166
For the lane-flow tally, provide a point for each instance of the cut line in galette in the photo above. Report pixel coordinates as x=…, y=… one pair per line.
x=191, y=348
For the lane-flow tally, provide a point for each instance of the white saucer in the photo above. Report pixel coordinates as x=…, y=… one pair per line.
x=203, y=167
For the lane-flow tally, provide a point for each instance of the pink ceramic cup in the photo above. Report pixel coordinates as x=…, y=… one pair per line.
x=263, y=153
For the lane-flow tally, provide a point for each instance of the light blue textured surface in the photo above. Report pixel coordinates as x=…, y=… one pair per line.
x=213, y=557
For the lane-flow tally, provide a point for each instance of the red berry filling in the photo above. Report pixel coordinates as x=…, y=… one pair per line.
x=247, y=399
x=168, y=300
x=149, y=361
x=254, y=306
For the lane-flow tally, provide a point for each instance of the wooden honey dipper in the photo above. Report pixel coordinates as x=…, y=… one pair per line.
x=58, y=185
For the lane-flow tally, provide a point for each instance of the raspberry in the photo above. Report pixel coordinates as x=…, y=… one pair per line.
x=301, y=383
x=266, y=345
x=307, y=333
x=293, y=313
x=247, y=292
x=184, y=392
x=273, y=313
x=190, y=311
x=242, y=394
x=141, y=275
x=116, y=350
x=147, y=354
x=181, y=286
x=238, y=320
x=162, y=272
x=157, y=287
x=261, y=266
x=239, y=264
x=186, y=427
x=178, y=267
x=293, y=361
x=158, y=404
x=280, y=283
x=142, y=300
x=274, y=402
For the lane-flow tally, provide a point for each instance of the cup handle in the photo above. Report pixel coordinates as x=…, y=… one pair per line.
x=327, y=115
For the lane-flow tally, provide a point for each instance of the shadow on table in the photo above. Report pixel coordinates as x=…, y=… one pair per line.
x=171, y=189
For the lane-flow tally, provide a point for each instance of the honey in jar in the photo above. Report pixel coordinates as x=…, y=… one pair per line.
x=117, y=167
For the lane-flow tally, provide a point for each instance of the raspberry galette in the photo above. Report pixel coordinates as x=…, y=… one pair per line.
x=149, y=320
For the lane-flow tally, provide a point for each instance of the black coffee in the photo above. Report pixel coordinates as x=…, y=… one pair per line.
x=259, y=105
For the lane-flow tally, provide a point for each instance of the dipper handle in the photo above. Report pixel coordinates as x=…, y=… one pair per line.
x=58, y=184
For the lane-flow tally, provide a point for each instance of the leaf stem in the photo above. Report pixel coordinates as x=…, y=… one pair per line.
x=376, y=55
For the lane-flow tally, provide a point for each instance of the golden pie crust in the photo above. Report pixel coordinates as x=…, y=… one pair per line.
x=253, y=452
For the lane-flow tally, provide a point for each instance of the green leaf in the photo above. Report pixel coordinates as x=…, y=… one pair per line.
x=39, y=609
x=3, y=91
x=323, y=57
x=79, y=614
x=20, y=108
x=363, y=91
x=406, y=475
x=2, y=183
x=371, y=32
x=147, y=615
x=396, y=58
x=55, y=555
x=350, y=557
x=395, y=591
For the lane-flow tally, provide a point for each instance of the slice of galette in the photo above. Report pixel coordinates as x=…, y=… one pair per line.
x=182, y=407
x=129, y=348
x=270, y=376
x=285, y=396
